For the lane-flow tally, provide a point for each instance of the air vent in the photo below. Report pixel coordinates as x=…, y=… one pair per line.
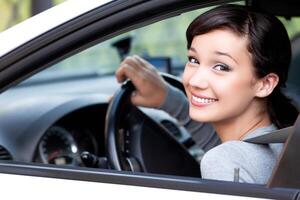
x=4, y=154
x=171, y=127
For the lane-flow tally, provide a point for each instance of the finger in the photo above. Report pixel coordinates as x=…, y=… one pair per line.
x=137, y=99
x=110, y=98
x=147, y=68
x=132, y=62
x=138, y=60
x=146, y=64
x=125, y=72
x=120, y=74
x=131, y=73
x=141, y=71
x=141, y=60
x=151, y=70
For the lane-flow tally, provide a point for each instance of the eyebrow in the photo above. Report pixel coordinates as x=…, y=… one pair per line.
x=225, y=54
x=192, y=49
x=216, y=52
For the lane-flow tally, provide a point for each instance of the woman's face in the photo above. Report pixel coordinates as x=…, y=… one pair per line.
x=219, y=77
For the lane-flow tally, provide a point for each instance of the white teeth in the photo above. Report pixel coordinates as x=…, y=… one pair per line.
x=203, y=100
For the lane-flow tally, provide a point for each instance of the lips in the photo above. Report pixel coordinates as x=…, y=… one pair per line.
x=200, y=100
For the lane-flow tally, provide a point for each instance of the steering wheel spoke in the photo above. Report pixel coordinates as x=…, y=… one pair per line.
x=136, y=142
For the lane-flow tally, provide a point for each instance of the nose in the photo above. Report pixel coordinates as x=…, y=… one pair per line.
x=199, y=79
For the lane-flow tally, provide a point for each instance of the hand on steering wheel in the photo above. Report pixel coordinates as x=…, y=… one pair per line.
x=134, y=141
x=150, y=87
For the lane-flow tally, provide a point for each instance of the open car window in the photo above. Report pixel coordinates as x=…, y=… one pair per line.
x=155, y=42
x=91, y=72
x=61, y=110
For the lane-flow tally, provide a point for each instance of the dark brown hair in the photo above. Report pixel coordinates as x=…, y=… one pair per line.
x=269, y=46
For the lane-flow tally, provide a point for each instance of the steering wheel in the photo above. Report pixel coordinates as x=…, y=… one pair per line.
x=135, y=142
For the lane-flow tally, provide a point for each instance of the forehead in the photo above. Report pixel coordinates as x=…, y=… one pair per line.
x=221, y=39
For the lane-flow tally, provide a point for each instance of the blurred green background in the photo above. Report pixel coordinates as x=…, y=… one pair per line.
x=155, y=40
x=15, y=11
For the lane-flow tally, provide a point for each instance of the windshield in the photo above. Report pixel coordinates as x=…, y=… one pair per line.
x=157, y=43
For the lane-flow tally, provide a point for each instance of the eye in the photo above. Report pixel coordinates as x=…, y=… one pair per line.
x=221, y=67
x=193, y=60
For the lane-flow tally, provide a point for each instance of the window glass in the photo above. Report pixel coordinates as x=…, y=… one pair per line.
x=292, y=25
x=162, y=43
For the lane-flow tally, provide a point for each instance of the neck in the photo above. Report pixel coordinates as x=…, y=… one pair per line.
x=237, y=127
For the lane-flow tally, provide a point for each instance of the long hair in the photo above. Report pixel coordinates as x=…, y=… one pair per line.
x=268, y=43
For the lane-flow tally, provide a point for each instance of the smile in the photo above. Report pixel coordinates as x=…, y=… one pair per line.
x=198, y=101
x=203, y=100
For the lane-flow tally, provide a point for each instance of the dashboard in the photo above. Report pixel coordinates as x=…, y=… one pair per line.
x=55, y=123
x=79, y=131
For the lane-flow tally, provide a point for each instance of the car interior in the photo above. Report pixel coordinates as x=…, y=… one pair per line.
x=64, y=115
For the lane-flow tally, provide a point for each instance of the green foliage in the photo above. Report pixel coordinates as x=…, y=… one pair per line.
x=164, y=38
x=292, y=25
x=15, y=11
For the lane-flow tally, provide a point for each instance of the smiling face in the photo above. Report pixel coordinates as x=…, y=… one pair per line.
x=219, y=77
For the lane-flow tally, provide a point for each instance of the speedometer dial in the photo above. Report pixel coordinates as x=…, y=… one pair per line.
x=58, y=147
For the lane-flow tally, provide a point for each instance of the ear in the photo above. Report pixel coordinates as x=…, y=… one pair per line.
x=266, y=85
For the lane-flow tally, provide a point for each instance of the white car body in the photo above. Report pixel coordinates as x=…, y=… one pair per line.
x=35, y=188
x=35, y=26
x=38, y=186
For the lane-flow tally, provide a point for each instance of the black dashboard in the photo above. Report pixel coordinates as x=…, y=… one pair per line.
x=55, y=123
x=44, y=129
x=78, y=131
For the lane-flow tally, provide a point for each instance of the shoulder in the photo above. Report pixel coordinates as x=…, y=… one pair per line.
x=220, y=162
x=236, y=148
x=228, y=152
x=242, y=150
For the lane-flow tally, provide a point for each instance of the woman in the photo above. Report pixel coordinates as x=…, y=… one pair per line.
x=238, y=60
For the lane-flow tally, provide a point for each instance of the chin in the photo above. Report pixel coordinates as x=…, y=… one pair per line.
x=199, y=117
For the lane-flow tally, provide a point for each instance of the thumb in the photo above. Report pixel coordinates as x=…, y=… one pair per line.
x=137, y=99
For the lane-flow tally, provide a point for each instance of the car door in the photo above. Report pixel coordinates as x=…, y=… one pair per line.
x=96, y=27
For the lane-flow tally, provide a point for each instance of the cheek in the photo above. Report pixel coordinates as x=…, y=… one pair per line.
x=236, y=90
x=187, y=74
